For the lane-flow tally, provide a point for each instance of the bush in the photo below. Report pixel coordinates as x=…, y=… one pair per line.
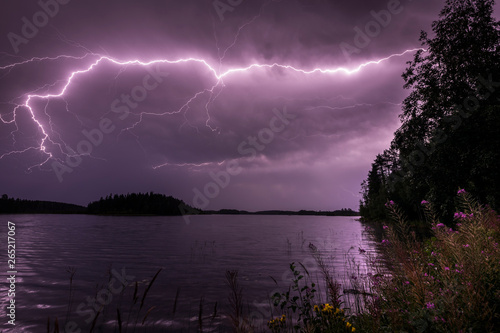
x=449, y=283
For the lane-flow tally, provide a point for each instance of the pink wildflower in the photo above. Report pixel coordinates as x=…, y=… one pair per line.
x=460, y=215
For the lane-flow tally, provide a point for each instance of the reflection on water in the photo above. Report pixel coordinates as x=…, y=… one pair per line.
x=110, y=256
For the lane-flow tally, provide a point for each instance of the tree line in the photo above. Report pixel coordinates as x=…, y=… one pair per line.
x=22, y=206
x=138, y=204
x=449, y=136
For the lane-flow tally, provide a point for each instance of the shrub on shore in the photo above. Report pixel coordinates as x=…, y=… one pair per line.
x=447, y=283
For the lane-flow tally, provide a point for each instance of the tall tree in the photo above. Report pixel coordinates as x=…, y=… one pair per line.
x=374, y=192
x=449, y=135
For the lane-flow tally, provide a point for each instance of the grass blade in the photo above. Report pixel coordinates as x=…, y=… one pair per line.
x=147, y=289
x=147, y=314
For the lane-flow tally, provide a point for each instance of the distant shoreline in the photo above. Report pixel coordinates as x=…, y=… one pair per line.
x=148, y=206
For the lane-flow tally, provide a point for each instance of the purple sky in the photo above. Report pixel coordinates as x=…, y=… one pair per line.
x=290, y=139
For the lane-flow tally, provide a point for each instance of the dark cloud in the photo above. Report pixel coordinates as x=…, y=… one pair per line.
x=188, y=127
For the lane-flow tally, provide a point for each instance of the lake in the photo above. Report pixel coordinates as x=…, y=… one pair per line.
x=108, y=256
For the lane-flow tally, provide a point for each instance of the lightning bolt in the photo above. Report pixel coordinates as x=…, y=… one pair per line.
x=345, y=107
x=190, y=165
x=218, y=76
x=39, y=59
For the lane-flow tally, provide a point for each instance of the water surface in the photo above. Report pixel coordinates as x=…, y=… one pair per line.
x=193, y=257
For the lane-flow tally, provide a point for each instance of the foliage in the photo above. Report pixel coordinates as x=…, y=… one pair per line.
x=138, y=204
x=300, y=299
x=18, y=206
x=449, y=135
x=374, y=192
x=449, y=283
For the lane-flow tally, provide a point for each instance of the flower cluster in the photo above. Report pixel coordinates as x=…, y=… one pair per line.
x=461, y=191
x=332, y=317
x=442, y=274
x=461, y=216
x=277, y=324
x=327, y=309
